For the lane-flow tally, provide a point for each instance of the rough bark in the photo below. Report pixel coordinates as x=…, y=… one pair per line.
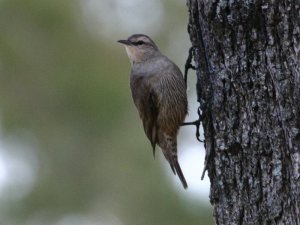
x=247, y=57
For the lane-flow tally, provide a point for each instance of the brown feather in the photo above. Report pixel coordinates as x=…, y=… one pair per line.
x=146, y=102
x=159, y=93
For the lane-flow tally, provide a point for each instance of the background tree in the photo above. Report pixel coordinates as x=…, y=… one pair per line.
x=248, y=70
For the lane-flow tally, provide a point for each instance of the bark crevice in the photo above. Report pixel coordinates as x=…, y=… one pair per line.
x=248, y=77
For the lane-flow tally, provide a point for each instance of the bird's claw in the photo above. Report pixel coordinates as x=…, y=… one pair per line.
x=188, y=64
x=197, y=124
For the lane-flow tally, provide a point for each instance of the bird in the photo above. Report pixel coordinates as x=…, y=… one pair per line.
x=159, y=94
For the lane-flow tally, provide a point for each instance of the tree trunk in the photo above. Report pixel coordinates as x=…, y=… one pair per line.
x=247, y=57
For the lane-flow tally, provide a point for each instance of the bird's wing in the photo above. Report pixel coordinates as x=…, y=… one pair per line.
x=146, y=101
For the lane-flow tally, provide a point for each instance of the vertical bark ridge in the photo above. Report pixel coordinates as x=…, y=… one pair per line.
x=248, y=68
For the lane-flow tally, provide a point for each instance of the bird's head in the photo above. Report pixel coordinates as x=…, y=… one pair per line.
x=139, y=47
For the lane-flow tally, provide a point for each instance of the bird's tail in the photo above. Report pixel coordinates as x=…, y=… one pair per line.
x=179, y=173
x=169, y=148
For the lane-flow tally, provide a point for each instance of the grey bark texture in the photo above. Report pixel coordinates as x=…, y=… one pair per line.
x=247, y=58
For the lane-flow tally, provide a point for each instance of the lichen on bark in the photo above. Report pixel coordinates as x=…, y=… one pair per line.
x=247, y=55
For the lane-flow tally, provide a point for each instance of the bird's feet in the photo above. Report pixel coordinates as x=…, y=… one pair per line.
x=188, y=63
x=197, y=124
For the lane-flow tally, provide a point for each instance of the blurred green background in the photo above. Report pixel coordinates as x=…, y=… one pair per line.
x=72, y=149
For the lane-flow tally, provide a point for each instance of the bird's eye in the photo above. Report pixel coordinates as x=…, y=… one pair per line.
x=139, y=43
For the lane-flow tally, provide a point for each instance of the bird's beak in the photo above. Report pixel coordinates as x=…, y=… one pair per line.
x=125, y=42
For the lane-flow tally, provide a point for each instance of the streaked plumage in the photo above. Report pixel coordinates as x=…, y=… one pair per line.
x=159, y=93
